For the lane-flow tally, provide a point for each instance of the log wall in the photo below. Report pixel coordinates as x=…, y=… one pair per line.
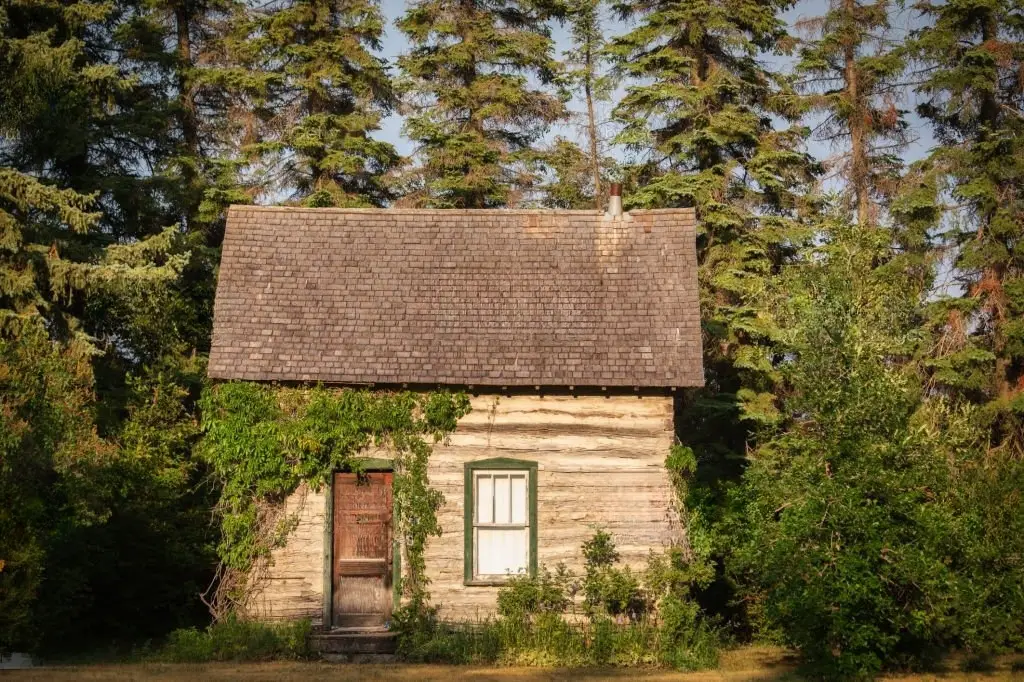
x=600, y=465
x=291, y=585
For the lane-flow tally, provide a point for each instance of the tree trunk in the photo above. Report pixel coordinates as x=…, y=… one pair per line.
x=186, y=98
x=994, y=274
x=595, y=161
x=859, y=171
x=187, y=110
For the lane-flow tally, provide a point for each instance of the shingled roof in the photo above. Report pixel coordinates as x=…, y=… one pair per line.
x=462, y=297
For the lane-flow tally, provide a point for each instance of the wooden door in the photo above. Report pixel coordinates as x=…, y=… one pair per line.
x=362, y=580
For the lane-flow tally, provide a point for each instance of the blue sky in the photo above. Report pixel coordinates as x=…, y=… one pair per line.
x=394, y=44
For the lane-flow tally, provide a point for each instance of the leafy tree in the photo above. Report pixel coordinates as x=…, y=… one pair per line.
x=972, y=55
x=866, y=528
x=473, y=111
x=851, y=70
x=48, y=449
x=327, y=94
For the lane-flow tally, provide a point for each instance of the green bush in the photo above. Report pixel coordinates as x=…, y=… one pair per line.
x=535, y=627
x=525, y=596
x=880, y=530
x=238, y=640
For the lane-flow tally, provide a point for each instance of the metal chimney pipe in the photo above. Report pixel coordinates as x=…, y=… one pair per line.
x=615, y=199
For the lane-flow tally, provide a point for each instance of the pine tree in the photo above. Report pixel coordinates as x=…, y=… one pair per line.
x=57, y=259
x=852, y=70
x=51, y=237
x=972, y=58
x=473, y=111
x=585, y=73
x=327, y=95
x=698, y=116
x=572, y=182
x=182, y=50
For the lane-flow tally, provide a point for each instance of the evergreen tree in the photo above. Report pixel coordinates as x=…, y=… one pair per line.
x=972, y=56
x=572, y=182
x=474, y=112
x=327, y=96
x=585, y=73
x=698, y=115
x=75, y=262
x=182, y=50
x=851, y=71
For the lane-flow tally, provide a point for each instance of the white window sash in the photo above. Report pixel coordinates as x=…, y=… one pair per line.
x=500, y=529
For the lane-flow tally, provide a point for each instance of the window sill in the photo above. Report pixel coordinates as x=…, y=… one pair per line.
x=486, y=582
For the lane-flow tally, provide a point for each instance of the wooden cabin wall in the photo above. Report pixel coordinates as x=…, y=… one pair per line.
x=601, y=464
x=291, y=585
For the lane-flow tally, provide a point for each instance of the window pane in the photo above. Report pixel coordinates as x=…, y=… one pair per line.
x=484, y=499
x=502, y=504
x=519, y=498
x=502, y=550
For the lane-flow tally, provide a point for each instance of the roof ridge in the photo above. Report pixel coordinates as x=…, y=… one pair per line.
x=453, y=211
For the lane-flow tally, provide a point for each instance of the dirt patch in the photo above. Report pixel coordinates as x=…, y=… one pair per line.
x=753, y=664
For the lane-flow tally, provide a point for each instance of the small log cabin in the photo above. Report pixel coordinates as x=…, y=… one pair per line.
x=571, y=331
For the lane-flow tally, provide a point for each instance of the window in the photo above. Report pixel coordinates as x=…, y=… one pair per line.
x=501, y=527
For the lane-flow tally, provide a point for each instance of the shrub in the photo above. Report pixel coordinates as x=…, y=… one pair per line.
x=238, y=640
x=532, y=627
x=608, y=589
x=877, y=531
x=525, y=596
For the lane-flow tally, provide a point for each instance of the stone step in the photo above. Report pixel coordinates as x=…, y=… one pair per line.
x=353, y=641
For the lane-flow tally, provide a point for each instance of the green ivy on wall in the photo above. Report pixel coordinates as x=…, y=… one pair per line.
x=261, y=441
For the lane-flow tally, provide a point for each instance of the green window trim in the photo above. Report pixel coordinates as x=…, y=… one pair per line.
x=497, y=463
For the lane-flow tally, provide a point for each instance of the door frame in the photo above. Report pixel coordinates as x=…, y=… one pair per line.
x=369, y=465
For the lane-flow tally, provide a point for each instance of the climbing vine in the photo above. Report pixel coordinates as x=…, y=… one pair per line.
x=261, y=442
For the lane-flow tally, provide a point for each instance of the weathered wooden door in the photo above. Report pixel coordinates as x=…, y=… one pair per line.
x=362, y=580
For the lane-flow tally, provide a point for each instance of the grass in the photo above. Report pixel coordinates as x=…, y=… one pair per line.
x=757, y=664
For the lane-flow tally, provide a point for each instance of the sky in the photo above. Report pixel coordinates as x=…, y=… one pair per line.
x=394, y=43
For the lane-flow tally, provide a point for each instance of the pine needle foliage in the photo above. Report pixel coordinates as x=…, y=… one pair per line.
x=851, y=70
x=698, y=117
x=328, y=92
x=972, y=60
x=476, y=83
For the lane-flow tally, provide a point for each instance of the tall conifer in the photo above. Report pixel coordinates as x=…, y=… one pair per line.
x=851, y=72
x=474, y=82
x=972, y=59
x=698, y=115
x=586, y=74
x=328, y=94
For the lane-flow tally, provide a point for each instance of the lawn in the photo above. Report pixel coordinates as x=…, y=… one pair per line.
x=752, y=663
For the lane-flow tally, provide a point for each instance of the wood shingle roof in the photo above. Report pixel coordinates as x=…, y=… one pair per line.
x=462, y=297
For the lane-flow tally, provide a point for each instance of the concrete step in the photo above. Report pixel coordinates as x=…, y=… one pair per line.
x=354, y=641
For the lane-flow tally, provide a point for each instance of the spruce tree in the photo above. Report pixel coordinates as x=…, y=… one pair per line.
x=474, y=113
x=851, y=72
x=327, y=95
x=971, y=56
x=68, y=246
x=182, y=50
x=586, y=76
x=572, y=180
x=698, y=117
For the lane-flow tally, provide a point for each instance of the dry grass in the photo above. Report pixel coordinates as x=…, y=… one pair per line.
x=756, y=664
